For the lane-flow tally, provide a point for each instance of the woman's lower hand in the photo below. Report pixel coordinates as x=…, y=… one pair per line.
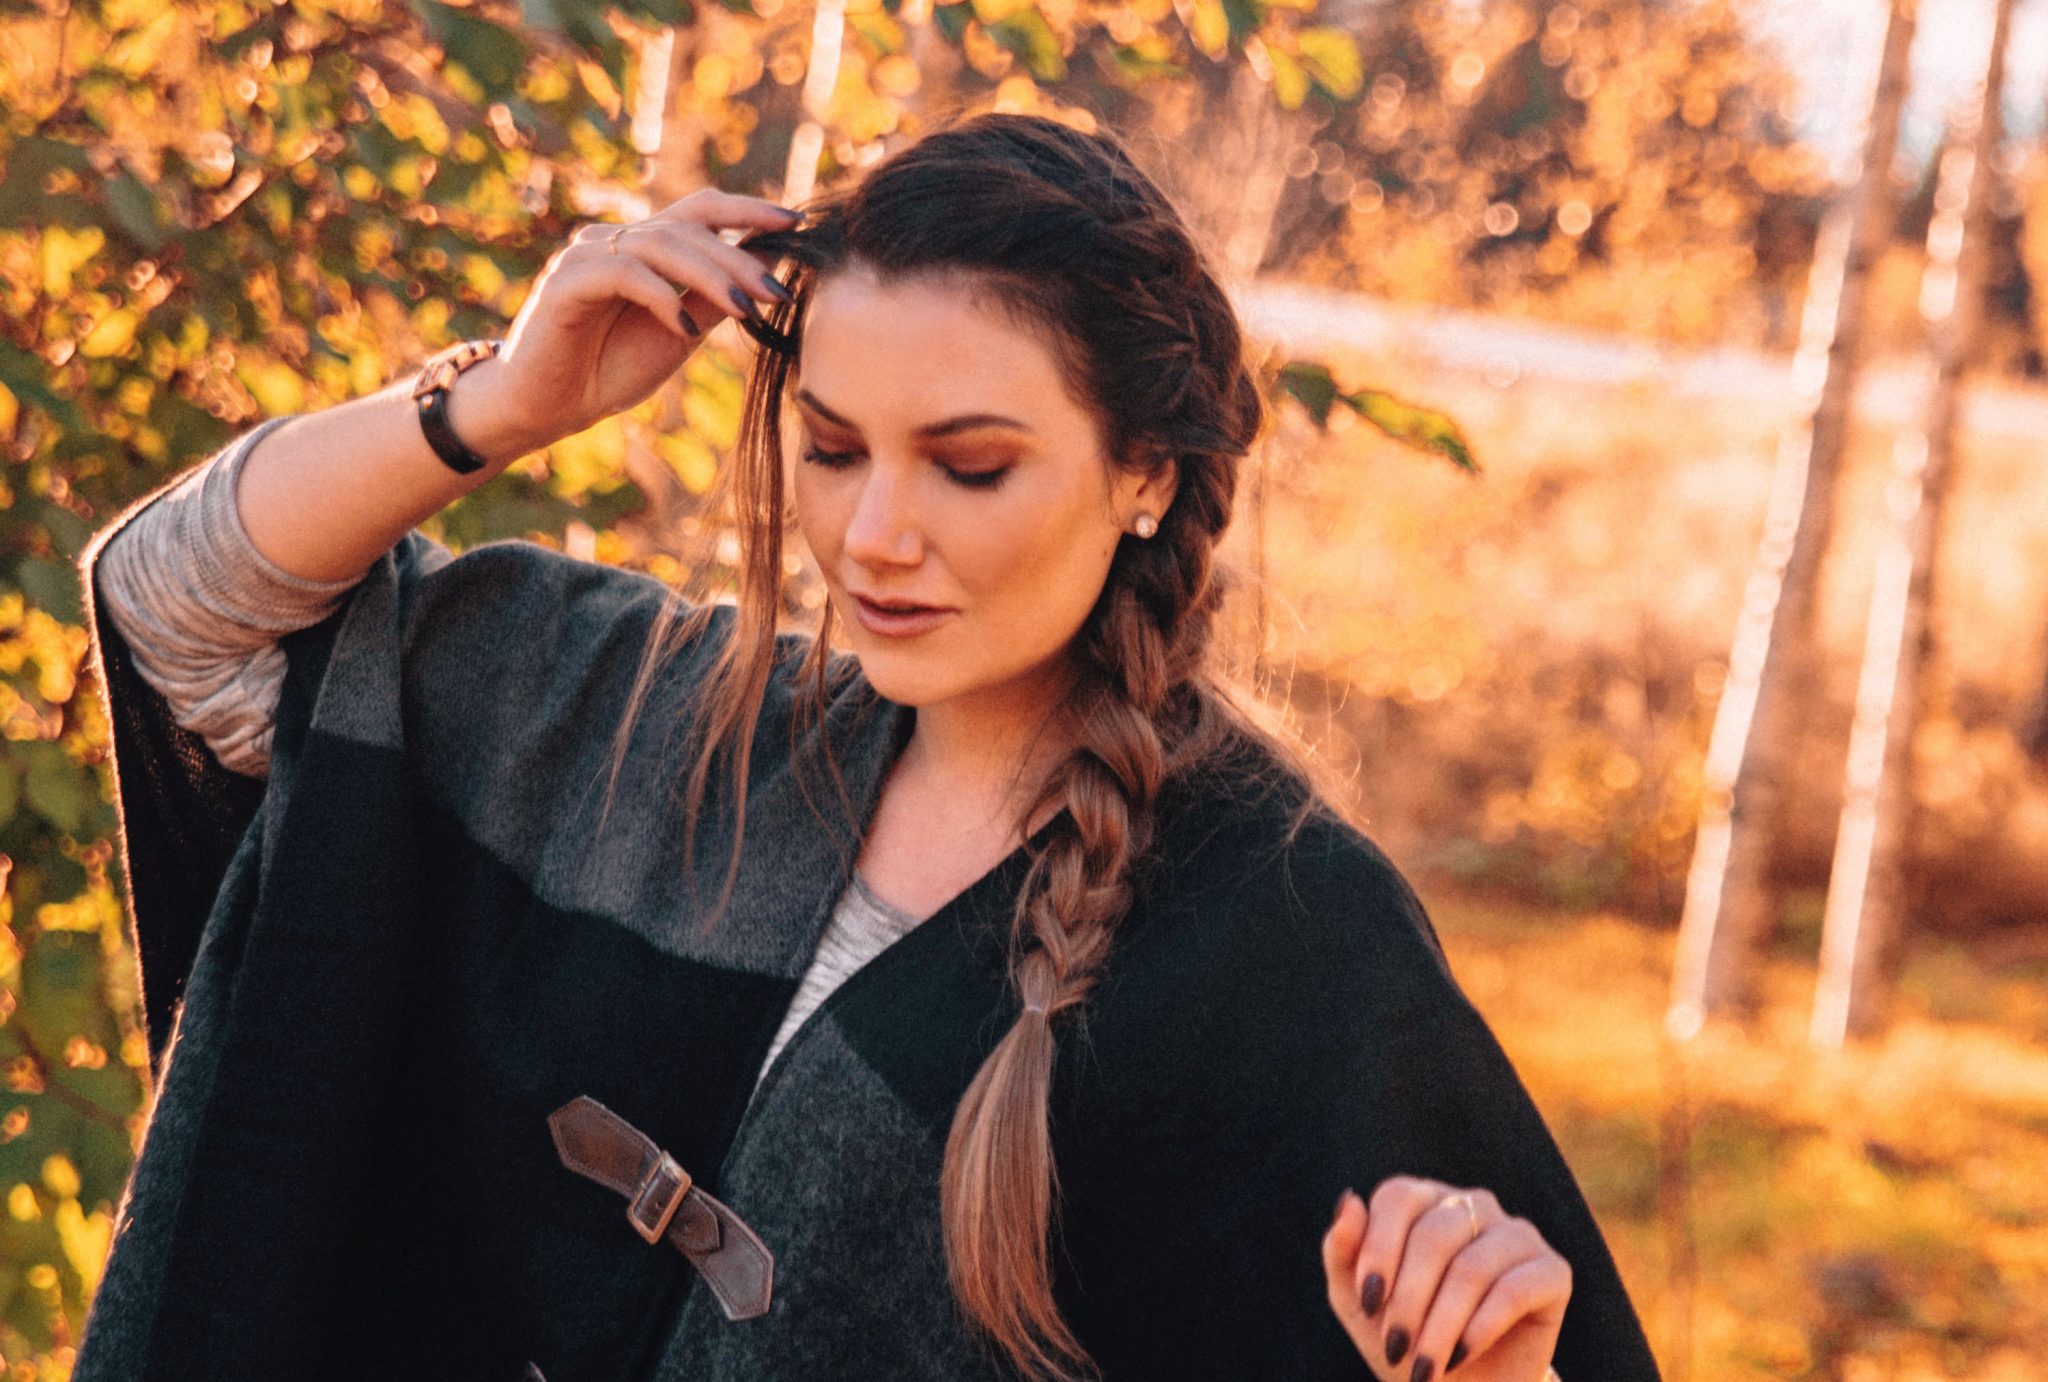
x=1428, y=1277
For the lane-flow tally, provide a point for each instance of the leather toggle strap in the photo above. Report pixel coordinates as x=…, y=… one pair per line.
x=663, y=1201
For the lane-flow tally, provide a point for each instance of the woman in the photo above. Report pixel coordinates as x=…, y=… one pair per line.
x=1034, y=1005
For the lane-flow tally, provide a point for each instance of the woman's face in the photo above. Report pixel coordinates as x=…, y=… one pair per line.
x=941, y=464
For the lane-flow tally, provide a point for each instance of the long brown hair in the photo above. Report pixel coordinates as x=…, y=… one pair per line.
x=1059, y=229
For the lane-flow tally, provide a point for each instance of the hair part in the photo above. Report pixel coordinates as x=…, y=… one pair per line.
x=1061, y=231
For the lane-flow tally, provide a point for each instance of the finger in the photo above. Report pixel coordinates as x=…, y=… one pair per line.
x=1438, y=1234
x=649, y=289
x=1473, y=1269
x=676, y=250
x=1531, y=1287
x=1341, y=1242
x=603, y=280
x=714, y=206
x=678, y=269
x=1395, y=1205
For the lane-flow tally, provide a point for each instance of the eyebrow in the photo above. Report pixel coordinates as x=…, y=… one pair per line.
x=964, y=422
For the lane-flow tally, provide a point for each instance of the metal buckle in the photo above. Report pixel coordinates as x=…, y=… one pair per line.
x=665, y=1180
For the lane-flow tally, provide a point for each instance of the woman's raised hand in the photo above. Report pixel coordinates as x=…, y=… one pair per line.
x=619, y=308
x=1431, y=1277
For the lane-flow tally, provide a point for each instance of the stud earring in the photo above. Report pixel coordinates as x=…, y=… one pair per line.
x=1146, y=525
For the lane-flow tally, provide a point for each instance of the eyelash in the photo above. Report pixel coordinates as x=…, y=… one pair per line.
x=833, y=460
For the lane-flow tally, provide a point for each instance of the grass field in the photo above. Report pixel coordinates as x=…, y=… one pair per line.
x=1876, y=1214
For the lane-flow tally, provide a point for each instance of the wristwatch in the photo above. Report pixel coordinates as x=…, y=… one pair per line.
x=430, y=392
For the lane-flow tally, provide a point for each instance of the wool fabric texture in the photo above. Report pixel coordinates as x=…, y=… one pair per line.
x=368, y=978
x=200, y=609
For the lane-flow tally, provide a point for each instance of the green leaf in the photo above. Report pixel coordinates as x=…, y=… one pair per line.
x=491, y=53
x=1131, y=63
x=1246, y=17
x=23, y=374
x=1425, y=429
x=59, y=790
x=52, y=587
x=138, y=211
x=1028, y=36
x=1310, y=384
x=952, y=20
x=10, y=789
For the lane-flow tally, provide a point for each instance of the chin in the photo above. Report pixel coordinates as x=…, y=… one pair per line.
x=900, y=679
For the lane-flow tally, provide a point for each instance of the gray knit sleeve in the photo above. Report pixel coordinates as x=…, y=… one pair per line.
x=201, y=609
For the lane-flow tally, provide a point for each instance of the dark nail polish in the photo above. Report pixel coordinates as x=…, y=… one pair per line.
x=689, y=322
x=1397, y=1344
x=1422, y=1370
x=791, y=212
x=1375, y=1294
x=774, y=285
x=1457, y=1355
x=745, y=304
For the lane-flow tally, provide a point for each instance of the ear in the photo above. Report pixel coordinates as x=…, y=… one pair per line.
x=1151, y=493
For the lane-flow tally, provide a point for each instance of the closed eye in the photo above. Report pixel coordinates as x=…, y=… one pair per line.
x=966, y=479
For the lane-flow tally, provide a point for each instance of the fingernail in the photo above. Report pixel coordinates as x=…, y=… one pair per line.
x=689, y=323
x=1375, y=1294
x=774, y=285
x=1397, y=1344
x=791, y=212
x=1457, y=1355
x=1422, y=1370
x=745, y=304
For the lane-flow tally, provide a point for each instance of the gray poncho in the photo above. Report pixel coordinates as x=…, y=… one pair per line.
x=368, y=979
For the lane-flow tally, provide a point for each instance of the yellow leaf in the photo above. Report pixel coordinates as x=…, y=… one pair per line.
x=598, y=83
x=591, y=461
x=483, y=274
x=60, y=1176
x=1290, y=80
x=63, y=253
x=1332, y=56
x=113, y=334
x=136, y=54
x=1210, y=27
x=689, y=458
x=85, y=1239
x=278, y=387
x=10, y=410
x=365, y=371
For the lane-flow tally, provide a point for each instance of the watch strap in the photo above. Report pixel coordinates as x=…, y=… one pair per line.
x=430, y=394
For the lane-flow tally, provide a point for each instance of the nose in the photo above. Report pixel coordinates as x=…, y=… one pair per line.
x=884, y=529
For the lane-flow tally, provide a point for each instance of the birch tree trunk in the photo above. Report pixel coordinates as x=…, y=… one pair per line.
x=828, y=38
x=668, y=132
x=1872, y=889
x=1730, y=905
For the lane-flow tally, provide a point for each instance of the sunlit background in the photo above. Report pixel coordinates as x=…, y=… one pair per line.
x=1660, y=430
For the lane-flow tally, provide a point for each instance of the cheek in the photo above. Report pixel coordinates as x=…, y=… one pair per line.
x=820, y=516
x=1035, y=569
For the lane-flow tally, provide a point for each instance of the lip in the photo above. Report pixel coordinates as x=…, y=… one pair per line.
x=904, y=623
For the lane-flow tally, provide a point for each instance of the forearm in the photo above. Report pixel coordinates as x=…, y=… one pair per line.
x=325, y=494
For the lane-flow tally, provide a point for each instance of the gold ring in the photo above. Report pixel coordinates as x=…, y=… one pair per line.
x=1465, y=1202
